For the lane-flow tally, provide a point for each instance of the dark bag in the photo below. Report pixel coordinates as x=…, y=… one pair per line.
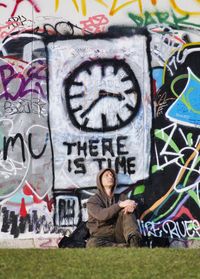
x=77, y=239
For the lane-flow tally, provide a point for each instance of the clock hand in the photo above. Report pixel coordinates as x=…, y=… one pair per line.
x=111, y=94
x=102, y=94
x=83, y=114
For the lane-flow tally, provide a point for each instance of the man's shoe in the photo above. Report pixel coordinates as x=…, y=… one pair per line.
x=135, y=240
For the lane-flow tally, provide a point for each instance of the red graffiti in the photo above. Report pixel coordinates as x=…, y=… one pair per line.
x=49, y=203
x=95, y=24
x=23, y=211
x=154, y=87
x=17, y=2
x=184, y=211
x=29, y=192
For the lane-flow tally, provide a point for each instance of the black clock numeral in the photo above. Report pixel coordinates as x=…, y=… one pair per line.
x=77, y=109
x=129, y=107
x=104, y=120
x=119, y=118
x=77, y=83
x=76, y=96
x=116, y=69
x=86, y=120
x=89, y=72
x=129, y=91
x=102, y=71
x=126, y=78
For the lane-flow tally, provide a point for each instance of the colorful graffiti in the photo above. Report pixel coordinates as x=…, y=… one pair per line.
x=177, y=147
x=73, y=101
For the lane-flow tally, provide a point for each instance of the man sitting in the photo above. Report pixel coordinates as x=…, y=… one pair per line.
x=111, y=223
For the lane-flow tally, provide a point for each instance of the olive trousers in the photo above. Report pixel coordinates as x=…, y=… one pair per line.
x=125, y=226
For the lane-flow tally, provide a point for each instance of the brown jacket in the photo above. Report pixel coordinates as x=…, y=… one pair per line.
x=102, y=210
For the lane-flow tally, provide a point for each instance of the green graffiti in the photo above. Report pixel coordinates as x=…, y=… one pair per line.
x=148, y=19
x=189, y=139
x=137, y=19
x=160, y=17
x=194, y=196
x=139, y=190
x=185, y=76
x=154, y=168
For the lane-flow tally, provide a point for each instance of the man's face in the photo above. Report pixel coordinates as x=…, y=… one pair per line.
x=107, y=179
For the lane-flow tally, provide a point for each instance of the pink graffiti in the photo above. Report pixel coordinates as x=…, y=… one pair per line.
x=49, y=243
x=14, y=24
x=27, y=83
x=95, y=24
x=3, y=5
x=17, y=2
x=4, y=33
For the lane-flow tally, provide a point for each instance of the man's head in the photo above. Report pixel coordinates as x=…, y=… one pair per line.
x=107, y=179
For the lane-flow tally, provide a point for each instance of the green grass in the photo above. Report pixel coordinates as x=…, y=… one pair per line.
x=122, y=263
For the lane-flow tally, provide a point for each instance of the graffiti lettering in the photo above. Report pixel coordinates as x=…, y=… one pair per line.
x=106, y=145
x=3, y=29
x=32, y=223
x=94, y=24
x=12, y=140
x=12, y=80
x=33, y=106
x=96, y=148
x=15, y=20
x=159, y=17
x=183, y=229
x=67, y=210
x=60, y=28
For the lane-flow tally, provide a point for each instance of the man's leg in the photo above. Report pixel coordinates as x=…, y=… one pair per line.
x=127, y=230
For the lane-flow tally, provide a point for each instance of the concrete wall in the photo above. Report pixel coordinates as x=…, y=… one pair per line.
x=91, y=84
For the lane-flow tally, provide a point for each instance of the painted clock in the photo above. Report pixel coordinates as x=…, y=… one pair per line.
x=102, y=95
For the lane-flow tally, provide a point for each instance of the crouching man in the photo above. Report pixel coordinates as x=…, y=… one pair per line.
x=111, y=223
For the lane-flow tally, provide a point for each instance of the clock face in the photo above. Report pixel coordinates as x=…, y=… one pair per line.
x=102, y=95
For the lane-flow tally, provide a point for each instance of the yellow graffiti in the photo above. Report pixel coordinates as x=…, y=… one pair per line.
x=76, y=5
x=181, y=11
x=116, y=5
x=56, y=5
x=115, y=9
x=84, y=6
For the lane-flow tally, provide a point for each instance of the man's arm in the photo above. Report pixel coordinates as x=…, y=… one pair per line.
x=103, y=214
x=100, y=213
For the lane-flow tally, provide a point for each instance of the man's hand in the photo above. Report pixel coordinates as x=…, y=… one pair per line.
x=128, y=206
x=129, y=209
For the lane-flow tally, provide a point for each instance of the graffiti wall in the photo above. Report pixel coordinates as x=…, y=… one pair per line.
x=86, y=85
